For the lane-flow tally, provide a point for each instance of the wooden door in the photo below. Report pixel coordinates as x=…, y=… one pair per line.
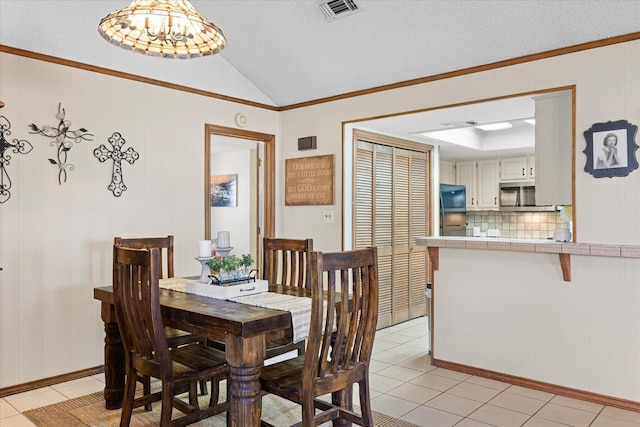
x=392, y=189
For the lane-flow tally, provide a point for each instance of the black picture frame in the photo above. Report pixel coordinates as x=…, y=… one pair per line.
x=611, y=149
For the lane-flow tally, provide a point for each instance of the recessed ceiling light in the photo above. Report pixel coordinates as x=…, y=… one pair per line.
x=532, y=122
x=495, y=126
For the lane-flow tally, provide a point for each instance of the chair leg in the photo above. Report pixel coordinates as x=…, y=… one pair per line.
x=365, y=402
x=215, y=391
x=308, y=411
x=203, y=388
x=129, y=394
x=167, y=404
x=193, y=395
x=146, y=390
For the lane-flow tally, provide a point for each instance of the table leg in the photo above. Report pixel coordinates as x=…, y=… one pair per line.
x=245, y=357
x=114, y=369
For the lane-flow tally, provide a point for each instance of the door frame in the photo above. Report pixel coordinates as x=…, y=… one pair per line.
x=269, y=142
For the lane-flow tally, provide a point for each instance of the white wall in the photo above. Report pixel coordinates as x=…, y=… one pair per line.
x=235, y=219
x=55, y=240
x=607, y=84
x=511, y=312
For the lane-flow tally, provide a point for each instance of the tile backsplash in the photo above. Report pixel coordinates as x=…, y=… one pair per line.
x=516, y=225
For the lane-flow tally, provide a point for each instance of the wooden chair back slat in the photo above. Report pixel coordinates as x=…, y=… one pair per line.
x=285, y=261
x=164, y=243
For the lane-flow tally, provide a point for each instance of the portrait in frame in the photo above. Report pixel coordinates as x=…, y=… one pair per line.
x=611, y=149
x=224, y=190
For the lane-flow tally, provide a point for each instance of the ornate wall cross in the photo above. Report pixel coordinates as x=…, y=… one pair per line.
x=18, y=147
x=63, y=138
x=117, y=155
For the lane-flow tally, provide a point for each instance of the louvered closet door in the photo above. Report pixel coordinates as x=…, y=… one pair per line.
x=391, y=189
x=418, y=227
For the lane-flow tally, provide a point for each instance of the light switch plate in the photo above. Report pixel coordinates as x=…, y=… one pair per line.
x=328, y=216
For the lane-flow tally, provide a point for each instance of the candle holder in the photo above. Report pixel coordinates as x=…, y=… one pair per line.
x=204, y=275
x=223, y=252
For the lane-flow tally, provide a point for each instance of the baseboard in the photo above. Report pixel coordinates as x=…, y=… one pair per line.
x=19, y=388
x=542, y=386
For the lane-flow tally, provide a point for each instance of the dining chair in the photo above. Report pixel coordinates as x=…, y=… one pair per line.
x=175, y=337
x=136, y=290
x=284, y=262
x=344, y=313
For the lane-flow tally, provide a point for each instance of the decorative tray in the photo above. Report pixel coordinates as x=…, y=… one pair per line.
x=226, y=292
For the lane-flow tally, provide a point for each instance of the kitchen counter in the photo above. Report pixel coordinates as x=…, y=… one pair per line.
x=563, y=249
x=533, y=311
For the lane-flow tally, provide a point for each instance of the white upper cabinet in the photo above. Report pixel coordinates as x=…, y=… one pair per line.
x=487, y=184
x=520, y=168
x=554, y=145
x=466, y=175
x=531, y=166
x=513, y=169
x=447, y=172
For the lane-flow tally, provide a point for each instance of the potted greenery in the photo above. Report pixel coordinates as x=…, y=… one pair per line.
x=230, y=268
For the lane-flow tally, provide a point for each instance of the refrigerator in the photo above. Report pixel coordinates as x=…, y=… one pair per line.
x=453, y=210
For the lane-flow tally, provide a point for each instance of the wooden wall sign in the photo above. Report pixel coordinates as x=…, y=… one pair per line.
x=309, y=181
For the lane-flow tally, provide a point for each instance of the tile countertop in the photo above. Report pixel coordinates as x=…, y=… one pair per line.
x=530, y=245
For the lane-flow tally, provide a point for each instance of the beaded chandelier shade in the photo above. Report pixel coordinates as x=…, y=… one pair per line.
x=165, y=28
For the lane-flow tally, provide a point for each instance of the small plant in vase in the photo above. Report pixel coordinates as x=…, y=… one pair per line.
x=230, y=264
x=215, y=264
x=247, y=260
x=230, y=268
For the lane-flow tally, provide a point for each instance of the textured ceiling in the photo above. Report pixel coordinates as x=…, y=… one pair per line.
x=284, y=52
x=291, y=54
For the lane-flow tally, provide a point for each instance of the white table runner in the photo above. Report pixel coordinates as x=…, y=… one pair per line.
x=299, y=307
x=174, y=284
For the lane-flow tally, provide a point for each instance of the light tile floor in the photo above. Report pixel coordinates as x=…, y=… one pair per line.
x=406, y=386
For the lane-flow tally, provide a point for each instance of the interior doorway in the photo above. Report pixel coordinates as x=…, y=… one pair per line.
x=247, y=160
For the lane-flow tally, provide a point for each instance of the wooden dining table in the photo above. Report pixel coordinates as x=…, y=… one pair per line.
x=242, y=327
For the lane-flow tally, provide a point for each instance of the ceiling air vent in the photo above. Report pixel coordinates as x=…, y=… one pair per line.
x=334, y=9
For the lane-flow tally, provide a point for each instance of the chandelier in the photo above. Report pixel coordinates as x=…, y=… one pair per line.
x=165, y=28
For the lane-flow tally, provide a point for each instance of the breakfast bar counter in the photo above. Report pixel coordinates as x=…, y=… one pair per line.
x=561, y=317
x=563, y=249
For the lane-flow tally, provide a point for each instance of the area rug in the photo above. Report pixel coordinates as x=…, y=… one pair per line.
x=89, y=411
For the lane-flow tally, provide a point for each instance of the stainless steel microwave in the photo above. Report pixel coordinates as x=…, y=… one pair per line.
x=520, y=196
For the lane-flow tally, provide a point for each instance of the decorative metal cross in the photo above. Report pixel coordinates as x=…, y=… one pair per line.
x=18, y=147
x=117, y=155
x=62, y=138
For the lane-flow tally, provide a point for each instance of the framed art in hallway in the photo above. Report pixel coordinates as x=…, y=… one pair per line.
x=223, y=190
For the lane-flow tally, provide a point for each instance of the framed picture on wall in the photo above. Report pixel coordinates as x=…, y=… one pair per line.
x=224, y=190
x=611, y=149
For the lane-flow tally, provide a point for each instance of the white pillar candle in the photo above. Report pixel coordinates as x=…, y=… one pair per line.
x=204, y=248
x=223, y=239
